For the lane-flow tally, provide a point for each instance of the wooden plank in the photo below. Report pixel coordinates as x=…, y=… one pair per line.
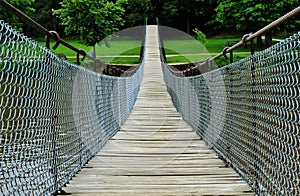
x=165, y=180
x=156, y=152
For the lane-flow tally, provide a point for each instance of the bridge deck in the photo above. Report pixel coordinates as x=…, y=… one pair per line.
x=156, y=152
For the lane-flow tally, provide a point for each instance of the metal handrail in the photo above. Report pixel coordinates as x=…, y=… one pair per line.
x=55, y=36
x=246, y=38
x=50, y=34
x=250, y=37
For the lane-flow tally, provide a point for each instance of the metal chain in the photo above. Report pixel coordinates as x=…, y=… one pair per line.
x=248, y=112
x=54, y=115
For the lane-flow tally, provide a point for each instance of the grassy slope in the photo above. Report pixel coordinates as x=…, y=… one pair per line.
x=120, y=52
x=188, y=49
x=127, y=51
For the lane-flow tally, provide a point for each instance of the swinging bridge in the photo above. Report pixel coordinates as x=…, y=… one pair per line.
x=68, y=130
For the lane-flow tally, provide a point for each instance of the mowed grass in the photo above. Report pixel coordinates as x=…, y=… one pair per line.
x=177, y=51
x=66, y=51
x=120, y=52
x=120, y=60
x=112, y=54
x=190, y=51
x=119, y=48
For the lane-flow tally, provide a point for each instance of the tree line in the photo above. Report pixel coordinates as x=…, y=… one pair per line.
x=92, y=20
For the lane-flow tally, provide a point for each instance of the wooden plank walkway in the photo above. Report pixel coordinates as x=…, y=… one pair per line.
x=156, y=152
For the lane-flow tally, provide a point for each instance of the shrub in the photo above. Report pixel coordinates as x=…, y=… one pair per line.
x=200, y=36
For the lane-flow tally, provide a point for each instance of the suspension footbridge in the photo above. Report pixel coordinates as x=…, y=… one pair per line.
x=156, y=152
x=155, y=131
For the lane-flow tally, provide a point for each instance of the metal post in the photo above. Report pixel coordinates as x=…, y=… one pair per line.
x=253, y=92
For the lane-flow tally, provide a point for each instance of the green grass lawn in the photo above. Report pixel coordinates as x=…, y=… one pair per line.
x=66, y=51
x=120, y=52
x=124, y=47
x=191, y=50
x=127, y=51
x=112, y=54
x=120, y=60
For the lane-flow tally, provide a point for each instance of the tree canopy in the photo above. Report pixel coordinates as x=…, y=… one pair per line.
x=184, y=15
x=91, y=20
x=43, y=13
x=136, y=11
x=251, y=15
x=25, y=5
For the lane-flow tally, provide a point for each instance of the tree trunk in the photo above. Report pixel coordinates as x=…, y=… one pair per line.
x=156, y=6
x=94, y=56
x=188, y=25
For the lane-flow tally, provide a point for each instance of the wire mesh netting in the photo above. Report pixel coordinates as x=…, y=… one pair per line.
x=54, y=115
x=248, y=112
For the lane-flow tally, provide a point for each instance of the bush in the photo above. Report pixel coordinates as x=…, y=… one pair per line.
x=201, y=37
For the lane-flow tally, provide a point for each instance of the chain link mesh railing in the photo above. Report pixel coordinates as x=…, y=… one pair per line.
x=54, y=115
x=248, y=112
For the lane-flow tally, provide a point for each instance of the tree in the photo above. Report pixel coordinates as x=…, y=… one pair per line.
x=43, y=14
x=25, y=6
x=184, y=15
x=91, y=20
x=251, y=15
x=187, y=10
x=136, y=11
x=168, y=13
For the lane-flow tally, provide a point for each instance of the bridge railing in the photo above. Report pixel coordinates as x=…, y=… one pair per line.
x=248, y=112
x=54, y=115
x=49, y=34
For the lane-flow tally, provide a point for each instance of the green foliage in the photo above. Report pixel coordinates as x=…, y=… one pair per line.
x=184, y=15
x=24, y=5
x=92, y=20
x=251, y=15
x=43, y=14
x=169, y=12
x=136, y=11
x=200, y=36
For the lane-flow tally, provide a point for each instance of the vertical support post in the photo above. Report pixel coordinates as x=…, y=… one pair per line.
x=143, y=43
x=225, y=56
x=253, y=92
x=244, y=42
x=77, y=59
x=230, y=92
x=47, y=41
x=161, y=42
x=231, y=57
x=53, y=118
x=252, y=47
x=54, y=162
x=163, y=50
